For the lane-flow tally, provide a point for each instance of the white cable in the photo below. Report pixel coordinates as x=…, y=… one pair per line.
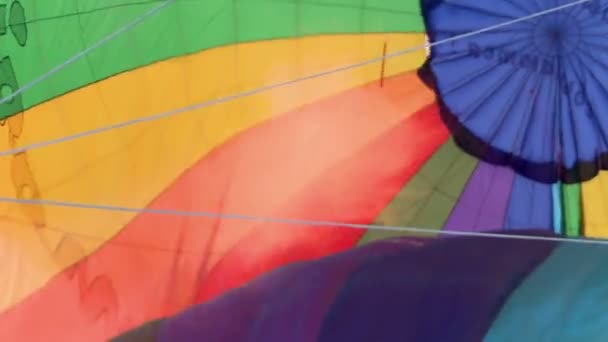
x=86, y=51
x=275, y=85
x=300, y=222
x=252, y=92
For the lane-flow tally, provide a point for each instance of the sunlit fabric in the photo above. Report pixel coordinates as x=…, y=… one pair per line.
x=327, y=112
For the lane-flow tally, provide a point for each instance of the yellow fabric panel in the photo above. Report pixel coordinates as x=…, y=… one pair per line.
x=130, y=166
x=595, y=206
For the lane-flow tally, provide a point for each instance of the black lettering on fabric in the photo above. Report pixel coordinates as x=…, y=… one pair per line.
x=580, y=98
x=474, y=50
x=547, y=67
x=508, y=57
x=529, y=62
x=489, y=52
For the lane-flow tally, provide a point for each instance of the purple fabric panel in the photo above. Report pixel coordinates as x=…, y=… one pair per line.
x=450, y=290
x=393, y=290
x=484, y=201
x=286, y=305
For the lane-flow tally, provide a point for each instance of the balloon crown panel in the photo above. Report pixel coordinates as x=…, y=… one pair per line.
x=529, y=94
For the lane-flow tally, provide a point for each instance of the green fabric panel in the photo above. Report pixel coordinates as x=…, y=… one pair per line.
x=40, y=35
x=571, y=197
x=428, y=198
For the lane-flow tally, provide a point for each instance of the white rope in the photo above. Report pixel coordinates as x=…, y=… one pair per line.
x=298, y=222
x=86, y=51
x=271, y=86
x=249, y=93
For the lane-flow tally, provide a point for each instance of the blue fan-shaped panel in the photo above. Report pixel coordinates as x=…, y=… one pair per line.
x=532, y=95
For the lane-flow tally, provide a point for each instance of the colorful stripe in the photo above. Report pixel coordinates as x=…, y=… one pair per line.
x=556, y=195
x=265, y=171
x=353, y=191
x=62, y=29
x=358, y=146
x=531, y=205
x=428, y=198
x=131, y=166
x=483, y=203
x=571, y=197
x=595, y=210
